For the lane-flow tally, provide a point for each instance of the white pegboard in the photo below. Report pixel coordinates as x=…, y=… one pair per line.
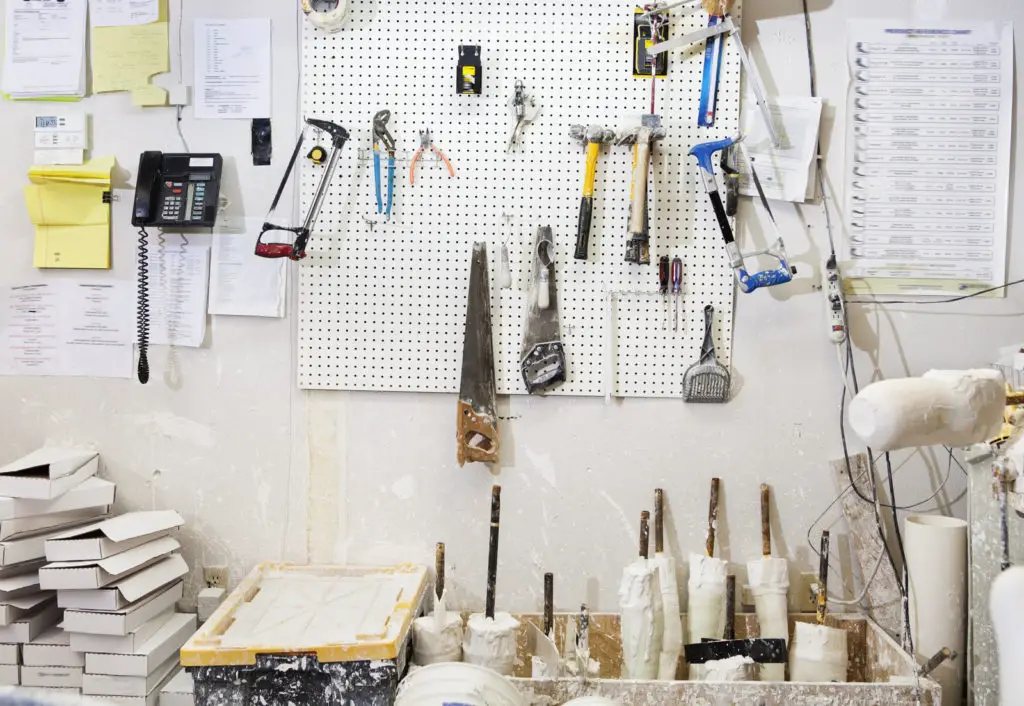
x=385, y=308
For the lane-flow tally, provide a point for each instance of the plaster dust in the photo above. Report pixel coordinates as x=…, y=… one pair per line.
x=640, y=603
x=491, y=642
x=736, y=668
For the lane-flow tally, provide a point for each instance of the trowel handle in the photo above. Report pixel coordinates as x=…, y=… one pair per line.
x=823, y=578
x=638, y=192
x=730, y=607
x=439, y=569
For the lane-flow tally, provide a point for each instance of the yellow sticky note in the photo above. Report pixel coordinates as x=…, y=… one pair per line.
x=78, y=247
x=124, y=58
x=149, y=96
x=95, y=171
x=61, y=204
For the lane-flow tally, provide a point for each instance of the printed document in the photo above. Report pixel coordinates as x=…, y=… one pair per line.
x=44, y=49
x=242, y=284
x=232, y=64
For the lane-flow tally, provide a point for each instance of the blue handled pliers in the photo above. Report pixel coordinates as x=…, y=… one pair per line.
x=381, y=135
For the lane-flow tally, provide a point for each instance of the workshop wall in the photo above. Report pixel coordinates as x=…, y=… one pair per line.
x=263, y=471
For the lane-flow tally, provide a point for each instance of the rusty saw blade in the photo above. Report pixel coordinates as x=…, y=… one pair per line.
x=478, y=416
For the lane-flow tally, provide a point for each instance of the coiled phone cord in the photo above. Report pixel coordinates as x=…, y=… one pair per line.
x=142, y=306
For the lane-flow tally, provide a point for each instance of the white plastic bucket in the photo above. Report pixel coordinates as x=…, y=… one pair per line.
x=457, y=682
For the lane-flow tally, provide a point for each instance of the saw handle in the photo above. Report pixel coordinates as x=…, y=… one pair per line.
x=638, y=192
x=645, y=534
x=587, y=202
x=478, y=436
x=769, y=278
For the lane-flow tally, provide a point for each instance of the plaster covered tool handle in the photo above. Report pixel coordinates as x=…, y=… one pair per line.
x=549, y=603
x=766, y=517
x=587, y=202
x=659, y=521
x=492, y=551
x=730, y=607
x=439, y=569
x=645, y=534
x=823, y=578
x=638, y=192
x=712, y=517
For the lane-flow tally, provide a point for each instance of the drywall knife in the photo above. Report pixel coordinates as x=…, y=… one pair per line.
x=477, y=422
x=542, y=359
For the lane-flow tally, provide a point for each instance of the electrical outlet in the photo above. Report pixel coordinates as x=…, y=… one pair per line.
x=801, y=599
x=216, y=576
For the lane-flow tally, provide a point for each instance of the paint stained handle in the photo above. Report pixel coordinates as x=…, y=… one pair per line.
x=645, y=533
x=766, y=519
x=659, y=521
x=712, y=517
x=492, y=554
x=439, y=569
x=730, y=607
x=549, y=603
x=823, y=578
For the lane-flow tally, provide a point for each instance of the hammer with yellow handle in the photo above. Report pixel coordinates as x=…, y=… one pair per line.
x=592, y=137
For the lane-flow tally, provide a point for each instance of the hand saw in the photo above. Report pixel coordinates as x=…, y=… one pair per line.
x=543, y=357
x=477, y=421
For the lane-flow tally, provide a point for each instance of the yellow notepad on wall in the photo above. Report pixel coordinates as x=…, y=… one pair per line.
x=69, y=207
x=125, y=58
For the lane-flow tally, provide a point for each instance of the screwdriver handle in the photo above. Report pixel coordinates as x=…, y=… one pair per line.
x=677, y=274
x=663, y=273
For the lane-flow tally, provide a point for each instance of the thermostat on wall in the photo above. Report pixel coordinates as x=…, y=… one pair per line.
x=61, y=139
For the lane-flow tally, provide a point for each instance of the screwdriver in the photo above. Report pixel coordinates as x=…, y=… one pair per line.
x=663, y=278
x=677, y=285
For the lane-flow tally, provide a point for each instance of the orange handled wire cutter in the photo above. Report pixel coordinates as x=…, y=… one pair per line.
x=427, y=144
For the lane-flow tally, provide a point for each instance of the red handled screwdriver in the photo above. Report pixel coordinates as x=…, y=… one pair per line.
x=663, y=279
x=677, y=285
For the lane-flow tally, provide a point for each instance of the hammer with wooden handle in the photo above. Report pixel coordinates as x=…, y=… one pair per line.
x=592, y=137
x=642, y=138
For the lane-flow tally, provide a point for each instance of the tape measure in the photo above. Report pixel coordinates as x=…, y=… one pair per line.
x=328, y=15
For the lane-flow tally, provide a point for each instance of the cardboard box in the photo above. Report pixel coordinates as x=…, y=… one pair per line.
x=120, y=644
x=51, y=649
x=31, y=626
x=110, y=685
x=178, y=691
x=27, y=526
x=161, y=647
x=98, y=573
x=47, y=474
x=153, y=698
x=10, y=654
x=16, y=608
x=91, y=493
x=126, y=591
x=19, y=585
x=123, y=620
x=10, y=675
x=25, y=549
x=51, y=676
x=113, y=536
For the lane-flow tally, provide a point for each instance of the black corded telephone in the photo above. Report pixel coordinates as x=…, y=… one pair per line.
x=174, y=192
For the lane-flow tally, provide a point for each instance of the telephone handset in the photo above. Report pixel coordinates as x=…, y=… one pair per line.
x=173, y=192
x=177, y=190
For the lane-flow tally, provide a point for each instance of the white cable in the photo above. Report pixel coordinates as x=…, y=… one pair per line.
x=867, y=584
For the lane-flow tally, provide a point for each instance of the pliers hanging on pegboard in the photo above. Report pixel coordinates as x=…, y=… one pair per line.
x=382, y=136
x=427, y=144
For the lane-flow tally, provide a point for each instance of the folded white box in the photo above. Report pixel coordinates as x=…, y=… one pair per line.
x=17, y=608
x=97, y=573
x=161, y=647
x=51, y=649
x=25, y=549
x=153, y=698
x=125, y=591
x=120, y=644
x=51, y=676
x=179, y=691
x=19, y=585
x=10, y=653
x=10, y=674
x=28, y=526
x=93, y=492
x=110, y=685
x=31, y=626
x=123, y=620
x=113, y=536
x=47, y=473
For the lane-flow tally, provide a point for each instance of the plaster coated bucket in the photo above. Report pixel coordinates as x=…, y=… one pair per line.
x=457, y=682
x=592, y=701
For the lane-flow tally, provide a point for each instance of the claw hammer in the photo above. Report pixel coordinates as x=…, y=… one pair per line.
x=592, y=138
x=642, y=139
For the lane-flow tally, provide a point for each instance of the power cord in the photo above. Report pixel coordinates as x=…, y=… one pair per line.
x=143, y=306
x=929, y=302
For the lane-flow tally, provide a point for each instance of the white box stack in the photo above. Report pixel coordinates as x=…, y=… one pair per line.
x=118, y=581
x=42, y=495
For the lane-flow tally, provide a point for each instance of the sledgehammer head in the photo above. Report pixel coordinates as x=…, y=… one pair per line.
x=591, y=133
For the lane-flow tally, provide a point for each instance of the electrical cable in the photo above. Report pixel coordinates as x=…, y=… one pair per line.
x=928, y=302
x=908, y=638
x=181, y=21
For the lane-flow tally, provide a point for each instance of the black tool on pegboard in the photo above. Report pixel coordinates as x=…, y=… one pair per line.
x=470, y=78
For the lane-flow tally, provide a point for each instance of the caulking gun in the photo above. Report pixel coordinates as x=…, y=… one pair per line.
x=748, y=282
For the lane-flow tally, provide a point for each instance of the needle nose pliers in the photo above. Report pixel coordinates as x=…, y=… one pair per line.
x=382, y=136
x=427, y=144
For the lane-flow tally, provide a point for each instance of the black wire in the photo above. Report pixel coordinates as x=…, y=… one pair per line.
x=142, y=306
x=908, y=637
x=951, y=300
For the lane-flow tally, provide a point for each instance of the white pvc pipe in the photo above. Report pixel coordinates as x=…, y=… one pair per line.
x=1006, y=605
x=640, y=602
x=943, y=407
x=936, y=549
x=769, y=584
x=491, y=642
x=818, y=653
